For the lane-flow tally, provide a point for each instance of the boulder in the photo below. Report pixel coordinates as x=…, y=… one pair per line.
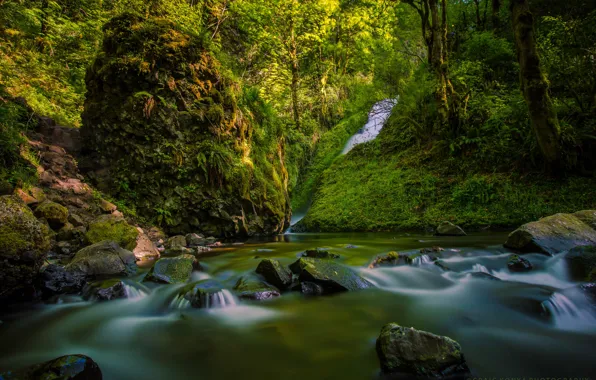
x=275, y=273
x=176, y=242
x=320, y=253
x=107, y=207
x=419, y=354
x=390, y=259
x=449, y=229
x=207, y=294
x=105, y=291
x=172, y=270
x=253, y=288
x=24, y=242
x=54, y=279
x=113, y=228
x=311, y=289
x=518, y=264
x=55, y=214
x=195, y=240
x=145, y=248
x=329, y=275
x=550, y=235
x=69, y=367
x=28, y=199
x=582, y=263
x=105, y=258
x=587, y=216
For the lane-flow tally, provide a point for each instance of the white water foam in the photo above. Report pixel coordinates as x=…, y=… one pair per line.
x=376, y=120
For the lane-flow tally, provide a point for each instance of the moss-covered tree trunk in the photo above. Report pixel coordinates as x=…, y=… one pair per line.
x=534, y=83
x=438, y=60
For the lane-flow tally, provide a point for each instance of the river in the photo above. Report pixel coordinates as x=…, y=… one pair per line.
x=503, y=326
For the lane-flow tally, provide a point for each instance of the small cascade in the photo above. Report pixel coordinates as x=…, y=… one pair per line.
x=179, y=302
x=422, y=260
x=205, y=294
x=223, y=298
x=134, y=290
x=571, y=311
x=376, y=120
x=481, y=269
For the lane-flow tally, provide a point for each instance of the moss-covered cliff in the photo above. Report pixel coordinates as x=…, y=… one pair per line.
x=166, y=128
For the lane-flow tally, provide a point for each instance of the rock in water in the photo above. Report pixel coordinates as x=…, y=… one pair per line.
x=105, y=290
x=449, y=229
x=413, y=353
x=253, y=288
x=320, y=253
x=24, y=242
x=518, y=264
x=113, y=228
x=207, y=294
x=390, y=259
x=275, y=273
x=172, y=270
x=553, y=234
x=167, y=90
x=55, y=279
x=69, y=367
x=582, y=263
x=330, y=276
x=104, y=259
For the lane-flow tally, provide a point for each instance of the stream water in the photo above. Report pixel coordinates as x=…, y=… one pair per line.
x=524, y=325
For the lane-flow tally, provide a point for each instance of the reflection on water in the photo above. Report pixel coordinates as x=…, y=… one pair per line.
x=535, y=324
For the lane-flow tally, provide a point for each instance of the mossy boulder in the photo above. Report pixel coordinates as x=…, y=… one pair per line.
x=105, y=258
x=587, y=216
x=551, y=235
x=253, y=288
x=69, y=367
x=172, y=270
x=207, y=294
x=55, y=214
x=24, y=242
x=517, y=263
x=275, y=273
x=582, y=263
x=412, y=353
x=163, y=116
x=391, y=259
x=320, y=253
x=449, y=229
x=329, y=275
x=113, y=228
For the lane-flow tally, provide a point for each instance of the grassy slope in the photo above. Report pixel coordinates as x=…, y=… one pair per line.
x=369, y=191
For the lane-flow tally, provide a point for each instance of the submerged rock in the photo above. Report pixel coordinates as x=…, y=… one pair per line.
x=54, y=279
x=582, y=263
x=207, y=294
x=519, y=264
x=320, y=253
x=56, y=215
x=253, y=288
x=69, y=367
x=330, y=276
x=449, y=229
x=113, y=228
x=550, y=235
x=105, y=290
x=172, y=270
x=24, y=242
x=390, y=259
x=275, y=273
x=104, y=259
x=413, y=353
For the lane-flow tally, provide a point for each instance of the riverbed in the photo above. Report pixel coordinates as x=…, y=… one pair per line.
x=508, y=324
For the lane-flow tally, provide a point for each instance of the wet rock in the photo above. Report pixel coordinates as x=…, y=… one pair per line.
x=106, y=258
x=54, y=279
x=275, y=273
x=518, y=264
x=449, y=229
x=253, y=288
x=56, y=215
x=207, y=294
x=320, y=253
x=113, y=228
x=311, y=289
x=587, y=216
x=195, y=240
x=69, y=367
x=350, y=246
x=105, y=290
x=390, y=259
x=550, y=235
x=329, y=275
x=420, y=354
x=172, y=270
x=582, y=263
x=24, y=242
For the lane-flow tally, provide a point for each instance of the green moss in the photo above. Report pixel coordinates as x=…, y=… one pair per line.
x=172, y=270
x=54, y=213
x=19, y=229
x=109, y=227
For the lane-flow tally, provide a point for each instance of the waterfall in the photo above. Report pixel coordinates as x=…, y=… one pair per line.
x=134, y=290
x=422, y=260
x=376, y=120
x=571, y=311
x=480, y=268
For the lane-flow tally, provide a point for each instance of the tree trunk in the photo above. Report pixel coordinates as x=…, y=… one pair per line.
x=534, y=84
x=496, y=7
x=295, y=73
x=478, y=19
x=438, y=64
